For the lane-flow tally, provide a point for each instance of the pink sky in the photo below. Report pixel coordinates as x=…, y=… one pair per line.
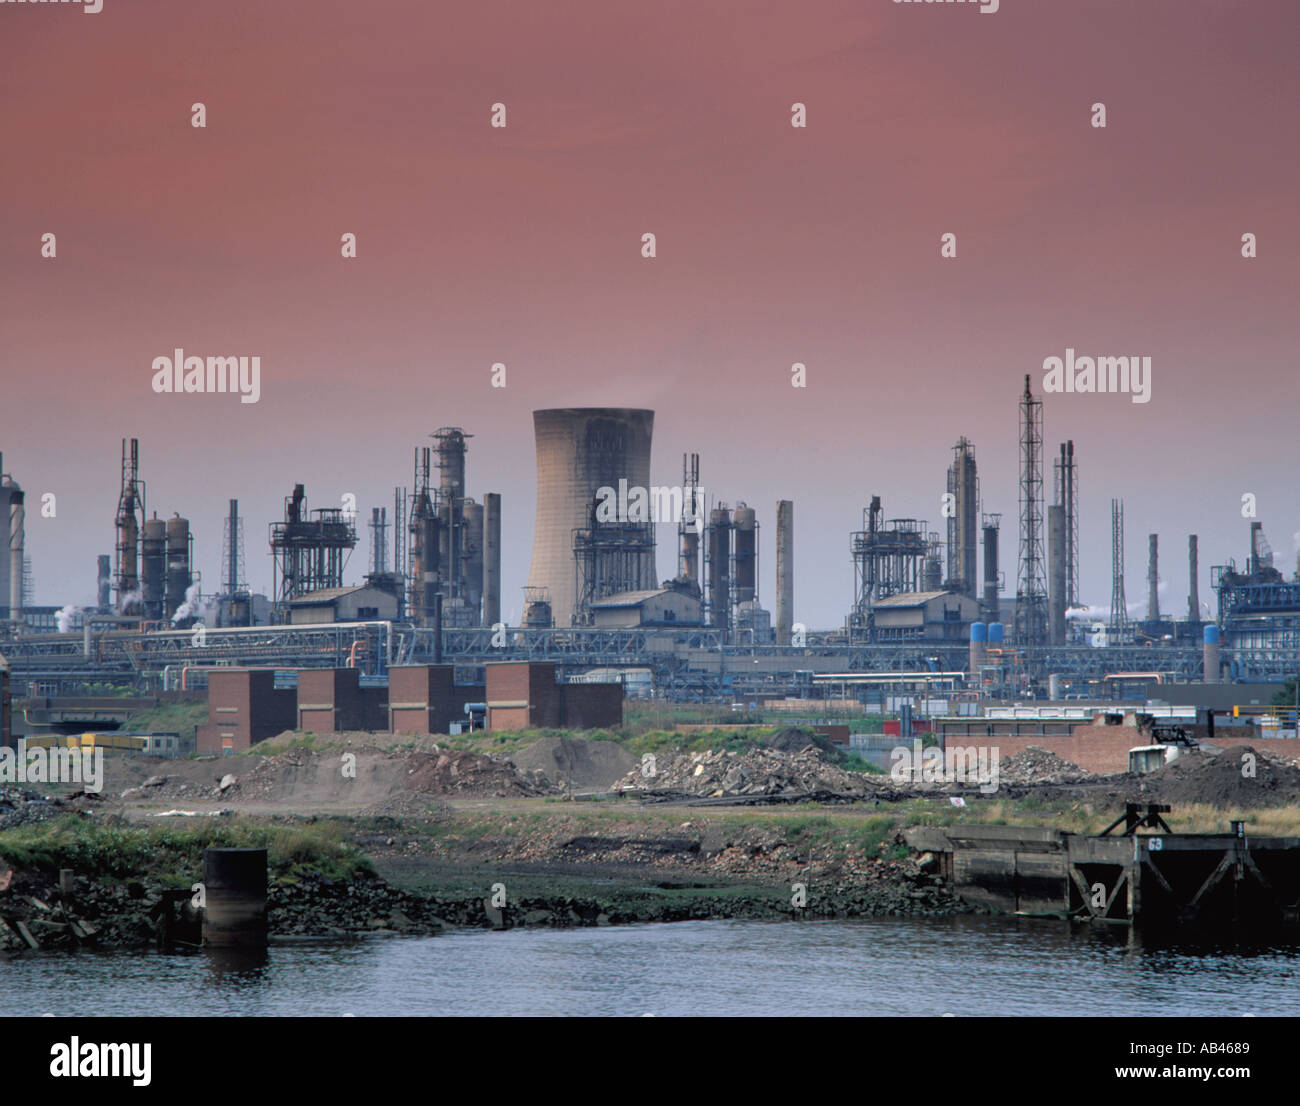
x=775, y=245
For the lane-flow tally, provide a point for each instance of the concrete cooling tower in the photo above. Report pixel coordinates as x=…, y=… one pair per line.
x=579, y=451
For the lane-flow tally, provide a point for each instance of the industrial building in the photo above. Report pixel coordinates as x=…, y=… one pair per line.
x=921, y=601
x=364, y=603
x=655, y=607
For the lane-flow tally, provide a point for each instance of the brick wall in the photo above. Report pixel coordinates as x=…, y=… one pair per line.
x=245, y=707
x=329, y=699
x=591, y=706
x=1104, y=749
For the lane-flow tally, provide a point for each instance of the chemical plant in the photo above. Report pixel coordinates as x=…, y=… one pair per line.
x=942, y=606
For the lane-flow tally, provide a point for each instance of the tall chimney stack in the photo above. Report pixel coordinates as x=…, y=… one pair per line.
x=784, y=570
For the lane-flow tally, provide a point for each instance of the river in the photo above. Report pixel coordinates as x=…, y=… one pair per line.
x=888, y=967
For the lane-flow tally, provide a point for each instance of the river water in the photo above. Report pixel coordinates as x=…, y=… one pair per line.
x=882, y=967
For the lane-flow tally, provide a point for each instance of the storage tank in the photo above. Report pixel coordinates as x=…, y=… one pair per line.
x=997, y=633
x=178, y=563
x=472, y=560
x=153, y=558
x=579, y=451
x=979, y=636
x=746, y=542
x=719, y=566
x=104, y=581
x=1210, y=655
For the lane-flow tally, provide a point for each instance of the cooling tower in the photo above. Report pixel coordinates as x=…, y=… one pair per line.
x=579, y=451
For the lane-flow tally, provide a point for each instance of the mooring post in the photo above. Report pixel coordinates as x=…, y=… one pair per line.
x=234, y=885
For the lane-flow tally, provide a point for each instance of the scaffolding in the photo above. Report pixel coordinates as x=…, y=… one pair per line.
x=310, y=553
x=608, y=558
x=889, y=558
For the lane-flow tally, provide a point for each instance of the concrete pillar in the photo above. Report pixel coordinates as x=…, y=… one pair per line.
x=491, y=558
x=234, y=886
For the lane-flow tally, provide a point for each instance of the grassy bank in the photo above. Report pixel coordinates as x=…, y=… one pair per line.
x=172, y=855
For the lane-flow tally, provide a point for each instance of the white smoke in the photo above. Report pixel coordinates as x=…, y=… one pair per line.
x=63, y=617
x=190, y=607
x=131, y=599
x=196, y=607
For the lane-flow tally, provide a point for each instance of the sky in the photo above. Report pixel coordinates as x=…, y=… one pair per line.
x=522, y=245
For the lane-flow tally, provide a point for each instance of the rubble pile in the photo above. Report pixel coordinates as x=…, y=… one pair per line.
x=20, y=806
x=1035, y=765
x=756, y=772
x=1241, y=777
x=448, y=772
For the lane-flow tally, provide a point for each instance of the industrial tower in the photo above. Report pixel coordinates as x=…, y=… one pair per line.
x=1031, y=586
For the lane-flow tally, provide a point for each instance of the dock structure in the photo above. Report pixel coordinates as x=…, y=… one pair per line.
x=1144, y=875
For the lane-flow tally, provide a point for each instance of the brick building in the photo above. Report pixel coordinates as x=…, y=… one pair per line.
x=245, y=707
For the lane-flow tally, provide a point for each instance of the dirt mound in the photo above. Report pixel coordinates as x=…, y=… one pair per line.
x=471, y=774
x=582, y=763
x=1238, y=777
x=757, y=772
x=791, y=739
x=1034, y=765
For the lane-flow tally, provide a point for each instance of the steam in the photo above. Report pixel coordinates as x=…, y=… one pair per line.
x=196, y=607
x=63, y=617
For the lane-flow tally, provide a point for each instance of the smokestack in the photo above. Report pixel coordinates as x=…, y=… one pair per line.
x=1210, y=655
x=1056, y=572
x=1193, y=594
x=784, y=571
x=103, y=582
x=491, y=558
x=232, y=553
x=17, y=513
x=1153, y=578
x=991, y=570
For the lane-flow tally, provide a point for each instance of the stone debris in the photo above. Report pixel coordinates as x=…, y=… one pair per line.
x=1035, y=765
x=755, y=772
x=448, y=772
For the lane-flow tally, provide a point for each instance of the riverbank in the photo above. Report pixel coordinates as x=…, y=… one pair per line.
x=484, y=868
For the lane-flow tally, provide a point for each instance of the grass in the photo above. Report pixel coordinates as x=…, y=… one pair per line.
x=180, y=718
x=173, y=853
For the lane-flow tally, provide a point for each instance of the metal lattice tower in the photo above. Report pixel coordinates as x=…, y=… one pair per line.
x=232, y=551
x=378, y=540
x=1066, y=493
x=1031, y=586
x=1118, y=604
